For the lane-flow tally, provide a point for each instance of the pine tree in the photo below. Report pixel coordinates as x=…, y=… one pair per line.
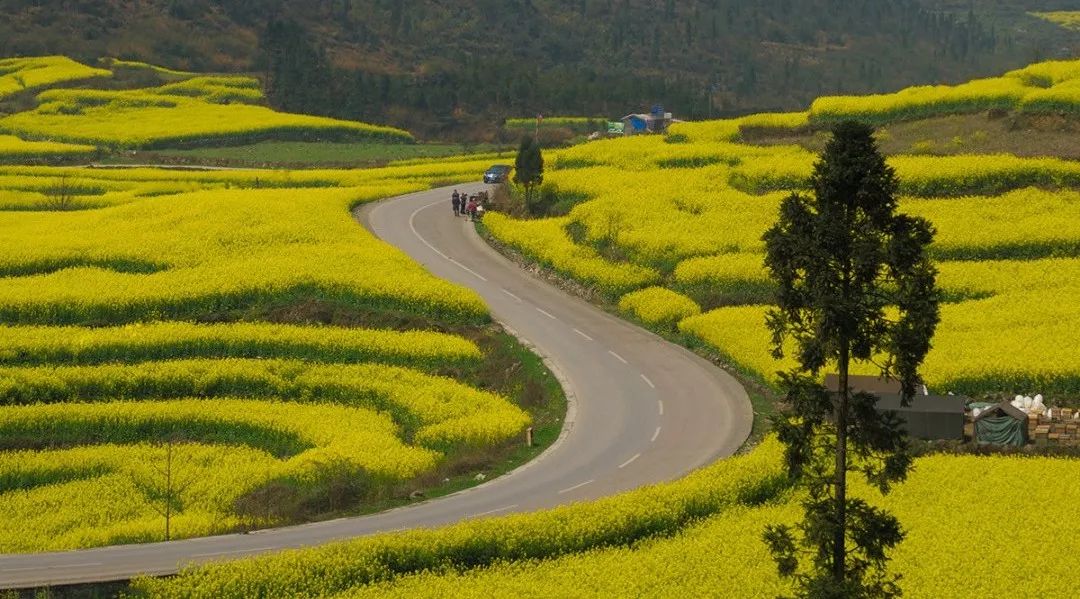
x=855, y=283
x=529, y=167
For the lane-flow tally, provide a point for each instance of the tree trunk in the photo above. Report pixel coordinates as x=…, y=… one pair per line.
x=168, y=488
x=839, y=533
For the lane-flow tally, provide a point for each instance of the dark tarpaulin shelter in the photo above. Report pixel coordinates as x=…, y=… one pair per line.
x=928, y=416
x=864, y=383
x=1002, y=424
x=925, y=417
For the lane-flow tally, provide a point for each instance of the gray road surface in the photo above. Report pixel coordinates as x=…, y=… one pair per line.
x=642, y=411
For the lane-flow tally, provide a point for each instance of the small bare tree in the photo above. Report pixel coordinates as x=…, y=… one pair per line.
x=162, y=486
x=613, y=221
x=61, y=194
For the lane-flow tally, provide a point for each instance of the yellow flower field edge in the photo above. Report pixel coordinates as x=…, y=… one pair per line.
x=14, y=149
x=166, y=119
x=738, y=277
x=295, y=443
x=572, y=122
x=115, y=64
x=616, y=521
x=921, y=102
x=638, y=542
x=187, y=110
x=548, y=242
x=1070, y=19
x=437, y=411
x=942, y=507
x=658, y=306
x=184, y=260
x=97, y=495
x=25, y=74
x=172, y=340
x=982, y=347
x=965, y=174
x=1025, y=89
x=217, y=89
x=1062, y=98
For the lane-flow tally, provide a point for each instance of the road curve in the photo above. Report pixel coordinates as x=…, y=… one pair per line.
x=643, y=411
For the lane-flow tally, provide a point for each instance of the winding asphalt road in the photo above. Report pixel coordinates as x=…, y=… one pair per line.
x=642, y=411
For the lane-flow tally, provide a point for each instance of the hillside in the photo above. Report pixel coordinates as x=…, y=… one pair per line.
x=446, y=66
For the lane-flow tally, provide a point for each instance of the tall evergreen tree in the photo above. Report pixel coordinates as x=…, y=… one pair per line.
x=529, y=167
x=855, y=283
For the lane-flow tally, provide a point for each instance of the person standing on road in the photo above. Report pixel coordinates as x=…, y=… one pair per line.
x=471, y=208
x=455, y=200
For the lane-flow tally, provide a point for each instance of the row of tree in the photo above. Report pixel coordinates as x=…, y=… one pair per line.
x=478, y=63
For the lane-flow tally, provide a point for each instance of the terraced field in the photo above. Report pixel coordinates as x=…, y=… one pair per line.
x=671, y=231
x=146, y=322
x=19, y=75
x=699, y=536
x=142, y=315
x=66, y=113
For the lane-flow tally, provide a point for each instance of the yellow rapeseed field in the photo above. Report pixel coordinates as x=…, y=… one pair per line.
x=658, y=306
x=186, y=110
x=1008, y=92
x=104, y=358
x=1066, y=18
x=670, y=230
x=13, y=148
x=24, y=74
x=691, y=208
x=642, y=543
x=169, y=116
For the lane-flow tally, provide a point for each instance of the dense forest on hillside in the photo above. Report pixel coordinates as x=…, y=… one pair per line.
x=441, y=66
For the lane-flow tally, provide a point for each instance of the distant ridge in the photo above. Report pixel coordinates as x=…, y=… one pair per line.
x=445, y=67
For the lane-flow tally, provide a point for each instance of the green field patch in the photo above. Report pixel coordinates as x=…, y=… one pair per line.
x=299, y=153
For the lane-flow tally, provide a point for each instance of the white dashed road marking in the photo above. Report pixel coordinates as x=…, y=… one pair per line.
x=497, y=510
x=647, y=381
x=655, y=435
x=86, y=565
x=577, y=486
x=630, y=461
x=546, y=313
x=412, y=225
x=586, y=337
x=234, y=551
x=618, y=357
